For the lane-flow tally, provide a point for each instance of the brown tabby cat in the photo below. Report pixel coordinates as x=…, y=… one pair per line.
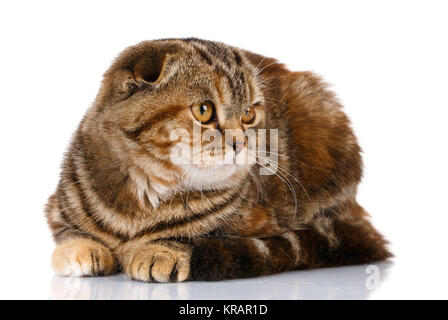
x=123, y=204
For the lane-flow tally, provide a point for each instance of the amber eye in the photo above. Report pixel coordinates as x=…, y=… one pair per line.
x=248, y=115
x=204, y=111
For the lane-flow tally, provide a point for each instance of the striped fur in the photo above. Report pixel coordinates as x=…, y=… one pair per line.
x=122, y=204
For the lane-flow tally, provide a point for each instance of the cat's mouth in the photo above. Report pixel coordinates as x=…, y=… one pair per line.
x=212, y=175
x=227, y=166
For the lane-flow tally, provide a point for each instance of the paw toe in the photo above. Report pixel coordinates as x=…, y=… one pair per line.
x=151, y=265
x=163, y=265
x=82, y=257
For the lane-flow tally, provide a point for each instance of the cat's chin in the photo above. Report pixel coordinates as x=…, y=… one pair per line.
x=220, y=175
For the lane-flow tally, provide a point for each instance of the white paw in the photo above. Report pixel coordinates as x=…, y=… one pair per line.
x=82, y=257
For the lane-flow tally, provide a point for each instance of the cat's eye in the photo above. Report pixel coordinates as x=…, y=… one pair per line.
x=248, y=115
x=204, y=111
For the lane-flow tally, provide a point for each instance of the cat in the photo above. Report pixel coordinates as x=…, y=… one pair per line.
x=125, y=204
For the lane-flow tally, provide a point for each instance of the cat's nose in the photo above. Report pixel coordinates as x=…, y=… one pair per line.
x=238, y=146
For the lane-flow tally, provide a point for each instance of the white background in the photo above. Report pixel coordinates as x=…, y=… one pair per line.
x=387, y=61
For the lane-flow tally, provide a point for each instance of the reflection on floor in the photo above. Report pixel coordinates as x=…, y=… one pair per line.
x=353, y=282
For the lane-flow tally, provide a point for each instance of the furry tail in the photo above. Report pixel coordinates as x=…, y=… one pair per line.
x=334, y=242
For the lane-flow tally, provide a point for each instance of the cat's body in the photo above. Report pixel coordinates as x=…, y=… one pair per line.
x=122, y=204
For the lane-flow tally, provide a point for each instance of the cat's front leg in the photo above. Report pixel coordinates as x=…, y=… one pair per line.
x=206, y=259
x=80, y=256
x=156, y=261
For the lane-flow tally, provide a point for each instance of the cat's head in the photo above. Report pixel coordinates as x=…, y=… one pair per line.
x=191, y=104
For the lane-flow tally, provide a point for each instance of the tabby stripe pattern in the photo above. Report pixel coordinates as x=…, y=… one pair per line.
x=121, y=202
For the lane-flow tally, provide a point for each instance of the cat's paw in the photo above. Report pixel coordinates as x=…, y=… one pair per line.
x=82, y=257
x=159, y=263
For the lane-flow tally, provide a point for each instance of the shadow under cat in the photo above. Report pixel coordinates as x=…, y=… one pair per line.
x=351, y=282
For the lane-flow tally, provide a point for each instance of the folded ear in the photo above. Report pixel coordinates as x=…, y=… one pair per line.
x=142, y=66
